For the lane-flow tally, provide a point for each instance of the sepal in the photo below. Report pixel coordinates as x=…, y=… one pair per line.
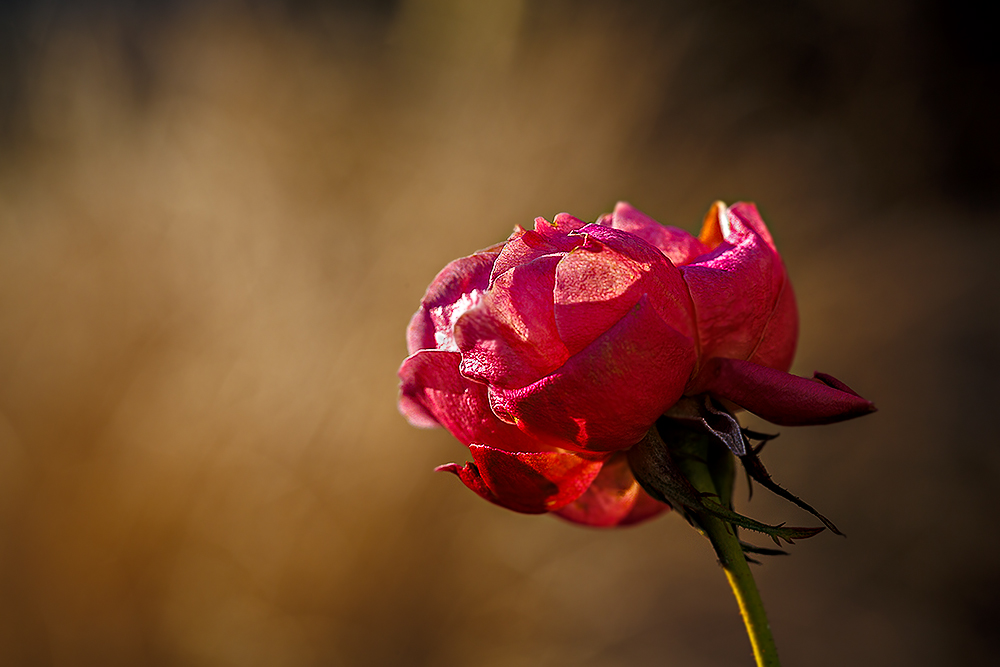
x=656, y=469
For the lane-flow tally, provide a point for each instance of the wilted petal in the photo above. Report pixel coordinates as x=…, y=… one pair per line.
x=433, y=392
x=606, y=397
x=511, y=339
x=679, y=246
x=455, y=288
x=613, y=499
x=778, y=397
x=529, y=482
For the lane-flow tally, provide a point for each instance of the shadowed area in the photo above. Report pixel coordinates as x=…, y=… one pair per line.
x=216, y=219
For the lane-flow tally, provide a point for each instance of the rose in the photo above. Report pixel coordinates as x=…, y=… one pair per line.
x=548, y=355
x=551, y=354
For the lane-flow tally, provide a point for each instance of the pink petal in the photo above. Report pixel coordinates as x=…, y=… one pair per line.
x=778, y=397
x=776, y=348
x=434, y=320
x=747, y=213
x=601, y=281
x=735, y=289
x=529, y=482
x=524, y=246
x=433, y=393
x=511, y=339
x=557, y=230
x=679, y=246
x=613, y=499
x=607, y=396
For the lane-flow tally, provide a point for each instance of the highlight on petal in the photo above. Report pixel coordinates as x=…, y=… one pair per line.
x=614, y=498
x=433, y=393
x=453, y=291
x=592, y=401
x=528, y=482
x=747, y=214
x=601, y=281
x=511, y=339
x=778, y=397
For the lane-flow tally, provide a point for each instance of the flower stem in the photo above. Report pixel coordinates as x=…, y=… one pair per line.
x=727, y=547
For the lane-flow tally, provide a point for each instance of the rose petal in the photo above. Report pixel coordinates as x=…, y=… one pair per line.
x=602, y=280
x=557, y=230
x=433, y=393
x=679, y=246
x=510, y=340
x=735, y=288
x=524, y=246
x=607, y=396
x=529, y=482
x=614, y=498
x=747, y=213
x=776, y=348
x=449, y=292
x=778, y=397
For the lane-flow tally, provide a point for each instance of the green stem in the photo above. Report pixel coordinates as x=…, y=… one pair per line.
x=727, y=547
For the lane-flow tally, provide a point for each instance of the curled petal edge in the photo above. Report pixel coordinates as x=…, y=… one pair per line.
x=526, y=482
x=778, y=397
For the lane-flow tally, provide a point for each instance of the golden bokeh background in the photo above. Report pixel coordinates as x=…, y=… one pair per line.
x=216, y=219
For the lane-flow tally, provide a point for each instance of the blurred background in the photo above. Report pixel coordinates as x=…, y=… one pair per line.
x=216, y=219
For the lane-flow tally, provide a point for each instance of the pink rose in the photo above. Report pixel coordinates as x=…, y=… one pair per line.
x=552, y=354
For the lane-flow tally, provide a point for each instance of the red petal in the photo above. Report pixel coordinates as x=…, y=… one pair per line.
x=606, y=397
x=679, y=246
x=433, y=393
x=529, y=482
x=776, y=348
x=600, y=282
x=525, y=246
x=747, y=213
x=781, y=398
x=613, y=499
x=511, y=339
x=436, y=316
x=736, y=287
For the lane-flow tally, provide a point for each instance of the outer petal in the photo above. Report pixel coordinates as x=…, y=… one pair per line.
x=455, y=288
x=679, y=246
x=606, y=397
x=747, y=213
x=735, y=288
x=776, y=348
x=433, y=393
x=601, y=281
x=781, y=398
x=529, y=482
x=510, y=340
x=613, y=499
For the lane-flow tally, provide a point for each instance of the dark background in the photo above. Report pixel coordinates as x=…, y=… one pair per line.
x=217, y=217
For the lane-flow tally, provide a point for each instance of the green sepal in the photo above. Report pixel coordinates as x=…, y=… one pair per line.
x=664, y=478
